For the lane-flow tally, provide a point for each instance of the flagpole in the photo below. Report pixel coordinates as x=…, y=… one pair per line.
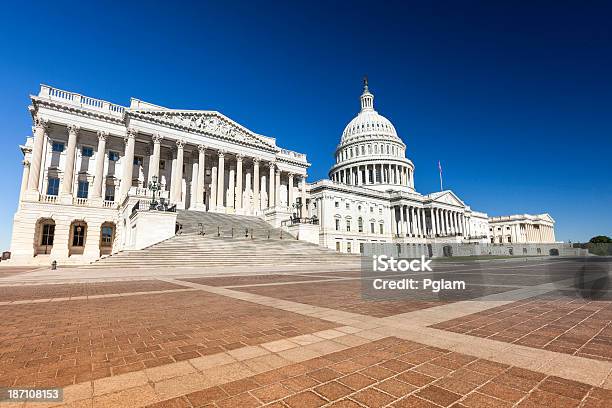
x=440, y=169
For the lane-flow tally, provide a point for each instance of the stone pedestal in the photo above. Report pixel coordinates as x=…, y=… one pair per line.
x=150, y=227
x=305, y=232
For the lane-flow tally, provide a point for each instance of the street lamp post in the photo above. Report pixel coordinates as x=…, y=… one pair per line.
x=153, y=186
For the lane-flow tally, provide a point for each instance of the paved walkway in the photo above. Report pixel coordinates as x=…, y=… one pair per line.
x=301, y=338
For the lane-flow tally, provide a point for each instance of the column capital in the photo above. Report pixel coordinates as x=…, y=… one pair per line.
x=130, y=134
x=180, y=143
x=102, y=135
x=202, y=148
x=26, y=163
x=290, y=174
x=221, y=153
x=256, y=160
x=157, y=138
x=239, y=157
x=271, y=164
x=40, y=122
x=72, y=128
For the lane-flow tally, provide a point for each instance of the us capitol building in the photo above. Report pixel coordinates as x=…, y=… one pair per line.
x=91, y=168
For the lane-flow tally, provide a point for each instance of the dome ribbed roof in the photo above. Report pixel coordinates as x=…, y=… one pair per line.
x=368, y=123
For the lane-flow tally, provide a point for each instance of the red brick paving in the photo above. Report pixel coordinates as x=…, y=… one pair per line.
x=339, y=295
x=390, y=372
x=32, y=292
x=61, y=343
x=249, y=279
x=557, y=321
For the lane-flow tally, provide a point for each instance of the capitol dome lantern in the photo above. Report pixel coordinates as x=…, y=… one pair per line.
x=370, y=153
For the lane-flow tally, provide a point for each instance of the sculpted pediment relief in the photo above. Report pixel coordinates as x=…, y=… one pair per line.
x=209, y=122
x=449, y=198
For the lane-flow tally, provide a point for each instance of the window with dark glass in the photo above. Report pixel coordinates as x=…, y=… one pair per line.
x=53, y=186
x=107, y=236
x=57, y=147
x=109, y=194
x=113, y=156
x=137, y=160
x=86, y=151
x=78, y=235
x=83, y=190
x=48, y=232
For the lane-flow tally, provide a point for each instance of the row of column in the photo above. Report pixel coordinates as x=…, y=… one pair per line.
x=543, y=233
x=32, y=169
x=422, y=222
x=374, y=174
x=217, y=186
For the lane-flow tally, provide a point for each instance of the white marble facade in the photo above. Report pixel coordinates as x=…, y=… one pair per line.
x=88, y=162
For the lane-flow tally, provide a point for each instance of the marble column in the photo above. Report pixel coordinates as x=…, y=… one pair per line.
x=424, y=224
x=231, y=188
x=359, y=176
x=304, y=215
x=212, y=202
x=434, y=227
x=271, y=195
x=178, y=178
x=68, y=179
x=402, y=231
x=239, y=206
x=99, y=172
x=201, y=175
x=277, y=184
x=221, y=180
x=154, y=161
x=290, y=192
x=412, y=229
x=393, y=223
x=128, y=164
x=193, y=188
x=25, y=177
x=40, y=127
x=256, y=199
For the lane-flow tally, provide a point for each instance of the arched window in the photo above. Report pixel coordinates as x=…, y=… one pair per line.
x=360, y=224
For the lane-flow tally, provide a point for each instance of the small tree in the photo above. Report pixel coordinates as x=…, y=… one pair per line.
x=601, y=239
x=600, y=245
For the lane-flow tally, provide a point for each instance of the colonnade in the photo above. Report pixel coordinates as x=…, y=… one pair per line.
x=260, y=182
x=420, y=222
x=368, y=174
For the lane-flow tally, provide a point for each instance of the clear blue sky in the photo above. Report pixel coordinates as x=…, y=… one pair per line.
x=514, y=98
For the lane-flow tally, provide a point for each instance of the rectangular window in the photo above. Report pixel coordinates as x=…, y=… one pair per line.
x=53, y=186
x=382, y=229
x=137, y=161
x=337, y=246
x=47, y=235
x=107, y=236
x=113, y=156
x=109, y=194
x=348, y=225
x=83, y=189
x=162, y=164
x=78, y=235
x=337, y=224
x=58, y=147
x=86, y=151
x=361, y=247
x=349, y=247
x=372, y=227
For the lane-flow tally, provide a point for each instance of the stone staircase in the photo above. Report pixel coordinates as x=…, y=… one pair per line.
x=217, y=248
x=227, y=226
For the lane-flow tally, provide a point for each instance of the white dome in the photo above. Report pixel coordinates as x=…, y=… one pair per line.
x=370, y=152
x=368, y=124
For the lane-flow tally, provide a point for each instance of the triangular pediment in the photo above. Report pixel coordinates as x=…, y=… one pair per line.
x=211, y=123
x=447, y=197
